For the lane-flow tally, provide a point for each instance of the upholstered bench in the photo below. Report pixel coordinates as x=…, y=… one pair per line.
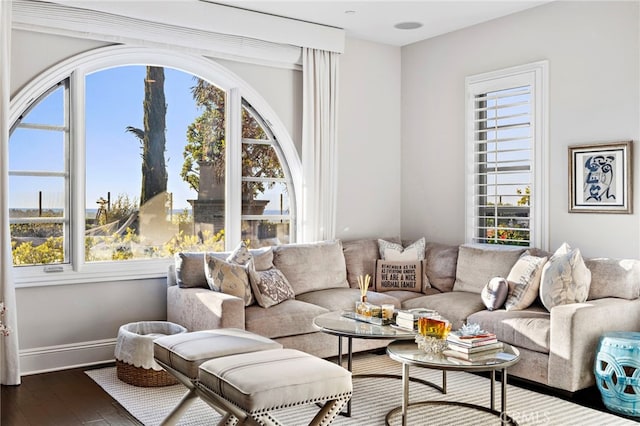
x=251, y=385
x=182, y=354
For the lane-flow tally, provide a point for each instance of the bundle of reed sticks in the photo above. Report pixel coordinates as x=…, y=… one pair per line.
x=363, y=284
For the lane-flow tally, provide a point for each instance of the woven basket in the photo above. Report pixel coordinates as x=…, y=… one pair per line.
x=143, y=377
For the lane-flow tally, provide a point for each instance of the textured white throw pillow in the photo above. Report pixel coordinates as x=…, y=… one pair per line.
x=395, y=252
x=565, y=278
x=524, y=282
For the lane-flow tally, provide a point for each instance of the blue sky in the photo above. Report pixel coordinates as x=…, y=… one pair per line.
x=113, y=102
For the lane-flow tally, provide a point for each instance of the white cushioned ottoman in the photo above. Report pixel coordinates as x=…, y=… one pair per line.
x=182, y=354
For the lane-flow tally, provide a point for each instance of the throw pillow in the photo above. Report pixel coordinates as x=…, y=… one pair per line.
x=270, y=287
x=494, y=294
x=565, y=278
x=228, y=278
x=395, y=252
x=241, y=255
x=391, y=275
x=524, y=282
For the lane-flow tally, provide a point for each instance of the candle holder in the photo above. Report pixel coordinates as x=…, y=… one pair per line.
x=432, y=333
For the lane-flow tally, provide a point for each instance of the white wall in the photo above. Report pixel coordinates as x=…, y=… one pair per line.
x=33, y=53
x=369, y=141
x=593, y=49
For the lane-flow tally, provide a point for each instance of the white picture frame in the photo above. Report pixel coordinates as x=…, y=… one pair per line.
x=600, y=178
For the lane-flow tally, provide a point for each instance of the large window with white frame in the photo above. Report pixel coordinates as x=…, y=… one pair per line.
x=116, y=166
x=506, y=150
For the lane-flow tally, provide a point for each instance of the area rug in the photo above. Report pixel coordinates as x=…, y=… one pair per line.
x=374, y=398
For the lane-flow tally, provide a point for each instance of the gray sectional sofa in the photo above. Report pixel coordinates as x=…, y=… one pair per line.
x=557, y=347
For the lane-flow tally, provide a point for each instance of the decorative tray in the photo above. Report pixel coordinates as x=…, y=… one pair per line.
x=363, y=318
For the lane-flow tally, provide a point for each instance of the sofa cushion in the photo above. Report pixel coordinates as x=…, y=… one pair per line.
x=336, y=299
x=565, y=278
x=440, y=266
x=477, y=264
x=313, y=266
x=269, y=287
x=190, y=270
x=396, y=252
x=360, y=257
x=262, y=258
x=494, y=294
x=529, y=328
x=229, y=278
x=455, y=306
x=289, y=318
x=614, y=278
x=524, y=281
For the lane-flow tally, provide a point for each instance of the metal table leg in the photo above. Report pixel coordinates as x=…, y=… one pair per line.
x=405, y=392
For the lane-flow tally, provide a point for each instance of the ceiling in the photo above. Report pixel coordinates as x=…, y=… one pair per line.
x=375, y=20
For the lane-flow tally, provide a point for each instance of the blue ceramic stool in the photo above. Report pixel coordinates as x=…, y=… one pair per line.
x=617, y=370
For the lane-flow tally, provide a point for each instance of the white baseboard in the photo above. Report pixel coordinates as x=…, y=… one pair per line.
x=62, y=357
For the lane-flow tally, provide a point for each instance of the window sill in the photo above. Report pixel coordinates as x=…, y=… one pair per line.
x=106, y=272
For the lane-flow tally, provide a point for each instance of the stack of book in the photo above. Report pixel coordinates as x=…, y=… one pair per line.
x=472, y=348
x=408, y=318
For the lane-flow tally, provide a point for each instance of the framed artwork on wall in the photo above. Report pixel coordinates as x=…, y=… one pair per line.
x=600, y=178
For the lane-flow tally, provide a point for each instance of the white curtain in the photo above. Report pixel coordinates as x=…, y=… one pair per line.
x=9, y=361
x=319, y=143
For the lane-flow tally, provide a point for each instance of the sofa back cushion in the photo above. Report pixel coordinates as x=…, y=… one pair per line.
x=440, y=262
x=313, y=266
x=190, y=270
x=477, y=264
x=360, y=257
x=614, y=278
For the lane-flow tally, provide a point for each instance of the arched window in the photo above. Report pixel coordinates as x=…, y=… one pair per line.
x=122, y=157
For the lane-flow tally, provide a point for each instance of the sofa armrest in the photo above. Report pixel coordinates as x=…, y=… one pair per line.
x=203, y=309
x=575, y=331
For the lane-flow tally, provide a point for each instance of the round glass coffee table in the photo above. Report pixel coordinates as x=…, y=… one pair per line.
x=409, y=354
x=343, y=324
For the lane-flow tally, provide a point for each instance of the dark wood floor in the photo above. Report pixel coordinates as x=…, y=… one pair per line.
x=70, y=397
x=63, y=398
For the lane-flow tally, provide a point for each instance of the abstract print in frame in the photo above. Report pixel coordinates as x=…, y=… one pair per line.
x=600, y=178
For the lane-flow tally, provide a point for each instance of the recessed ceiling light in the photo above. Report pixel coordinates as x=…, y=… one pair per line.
x=407, y=25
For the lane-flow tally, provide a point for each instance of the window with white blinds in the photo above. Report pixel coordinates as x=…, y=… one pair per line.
x=505, y=145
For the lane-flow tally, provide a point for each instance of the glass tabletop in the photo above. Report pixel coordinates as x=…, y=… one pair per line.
x=408, y=352
x=342, y=324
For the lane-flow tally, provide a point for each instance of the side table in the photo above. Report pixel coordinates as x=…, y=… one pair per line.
x=617, y=371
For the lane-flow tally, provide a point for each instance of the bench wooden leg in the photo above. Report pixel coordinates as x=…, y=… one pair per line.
x=177, y=412
x=329, y=412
